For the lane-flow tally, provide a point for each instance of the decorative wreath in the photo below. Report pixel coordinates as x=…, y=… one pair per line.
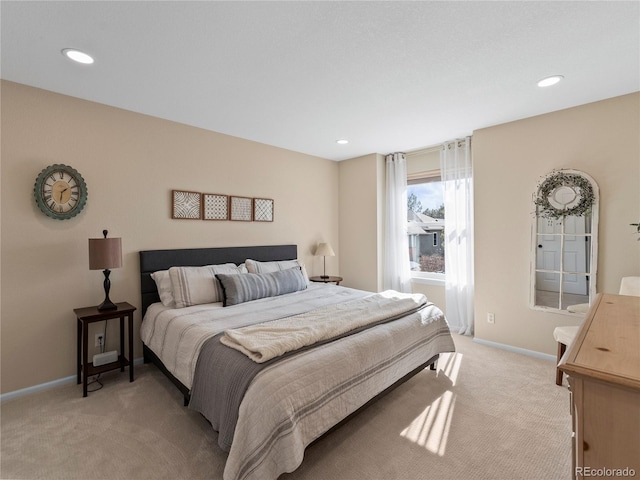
x=579, y=184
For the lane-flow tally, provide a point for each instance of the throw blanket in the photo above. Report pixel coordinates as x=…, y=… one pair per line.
x=224, y=374
x=268, y=340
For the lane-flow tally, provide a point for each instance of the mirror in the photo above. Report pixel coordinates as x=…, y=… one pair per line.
x=564, y=242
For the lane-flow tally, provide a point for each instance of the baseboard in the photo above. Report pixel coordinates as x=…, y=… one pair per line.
x=139, y=361
x=510, y=348
x=48, y=385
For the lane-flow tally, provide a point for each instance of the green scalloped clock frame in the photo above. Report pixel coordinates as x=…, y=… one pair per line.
x=48, y=184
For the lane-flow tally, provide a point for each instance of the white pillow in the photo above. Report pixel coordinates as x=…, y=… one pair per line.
x=197, y=285
x=165, y=290
x=254, y=266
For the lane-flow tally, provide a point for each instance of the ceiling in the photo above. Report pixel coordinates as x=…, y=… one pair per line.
x=388, y=76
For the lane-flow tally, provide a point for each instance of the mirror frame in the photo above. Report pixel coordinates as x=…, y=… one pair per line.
x=593, y=254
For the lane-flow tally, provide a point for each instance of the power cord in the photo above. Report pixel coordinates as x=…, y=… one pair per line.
x=96, y=379
x=104, y=337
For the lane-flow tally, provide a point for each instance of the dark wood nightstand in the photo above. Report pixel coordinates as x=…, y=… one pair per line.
x=329, y=279
x=87, y=315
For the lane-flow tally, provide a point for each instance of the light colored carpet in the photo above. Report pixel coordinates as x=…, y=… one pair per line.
x=486, y=414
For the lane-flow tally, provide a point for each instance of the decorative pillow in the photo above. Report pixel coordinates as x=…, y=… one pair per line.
x=163, y=283
x=253, y=266
x=252, y=286
x=197, y=285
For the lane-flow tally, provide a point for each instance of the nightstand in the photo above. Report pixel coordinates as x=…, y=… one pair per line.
x=329, y=279
x=87, y=315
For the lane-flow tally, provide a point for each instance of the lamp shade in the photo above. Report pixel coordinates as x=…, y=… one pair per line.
x=105, y=253
x=325, y=250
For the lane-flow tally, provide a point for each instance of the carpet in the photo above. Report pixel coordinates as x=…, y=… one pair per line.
x=484, y=414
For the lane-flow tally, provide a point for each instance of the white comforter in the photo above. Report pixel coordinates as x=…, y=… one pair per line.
x=309, y=392
x=264, y=341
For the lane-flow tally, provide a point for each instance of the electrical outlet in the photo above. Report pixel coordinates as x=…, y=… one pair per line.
x=99, y=339
x=491, y=318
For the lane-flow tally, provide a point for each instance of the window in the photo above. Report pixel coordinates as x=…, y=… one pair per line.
x=425, y=217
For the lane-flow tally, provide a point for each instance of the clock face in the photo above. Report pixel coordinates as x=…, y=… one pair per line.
x=60, y=192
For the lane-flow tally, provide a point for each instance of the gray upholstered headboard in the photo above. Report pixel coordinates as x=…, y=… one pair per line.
x=154, y=260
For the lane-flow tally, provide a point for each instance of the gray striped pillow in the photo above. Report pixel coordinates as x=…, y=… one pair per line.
x=252, y=286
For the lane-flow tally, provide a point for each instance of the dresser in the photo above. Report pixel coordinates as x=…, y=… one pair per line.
x=603, y=366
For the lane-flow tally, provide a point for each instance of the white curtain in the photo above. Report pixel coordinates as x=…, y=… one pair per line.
x=457, y=179
x=397, y=274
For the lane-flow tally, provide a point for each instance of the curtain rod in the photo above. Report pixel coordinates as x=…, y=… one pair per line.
x=442, y=146
x=459, y=142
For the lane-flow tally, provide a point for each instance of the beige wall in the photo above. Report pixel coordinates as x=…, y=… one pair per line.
x=423, y=160
x=434, y=293
x=360, y=222
x=601, y=139
x=130, y=163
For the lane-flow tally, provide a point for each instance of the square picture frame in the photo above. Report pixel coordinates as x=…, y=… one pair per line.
x=240, y=208
x=263, y=209
x=215, y=206
x=186, y=205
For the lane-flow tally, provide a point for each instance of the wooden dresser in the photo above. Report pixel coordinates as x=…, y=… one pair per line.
x=603, y=366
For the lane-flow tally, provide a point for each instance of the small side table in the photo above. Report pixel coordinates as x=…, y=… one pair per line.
x=87, y=315
x=329, y=279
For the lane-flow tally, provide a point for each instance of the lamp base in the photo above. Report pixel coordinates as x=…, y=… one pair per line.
x=107, y=305
x=324, y=276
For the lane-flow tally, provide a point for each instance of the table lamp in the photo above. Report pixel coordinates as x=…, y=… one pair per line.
x=104, y=254
x=325, y=250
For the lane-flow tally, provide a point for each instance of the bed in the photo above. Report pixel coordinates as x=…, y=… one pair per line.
x=289, y=401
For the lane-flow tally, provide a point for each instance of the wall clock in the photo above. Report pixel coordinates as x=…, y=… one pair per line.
x=60, y=192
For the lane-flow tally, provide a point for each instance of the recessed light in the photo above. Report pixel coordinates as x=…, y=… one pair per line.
x=548, y=81
x=77, y=56
x=342, y=141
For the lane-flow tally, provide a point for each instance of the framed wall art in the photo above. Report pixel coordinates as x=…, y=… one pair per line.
x=215, y=206
x=240, y=209
x=262, y=210
x=186, y=205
